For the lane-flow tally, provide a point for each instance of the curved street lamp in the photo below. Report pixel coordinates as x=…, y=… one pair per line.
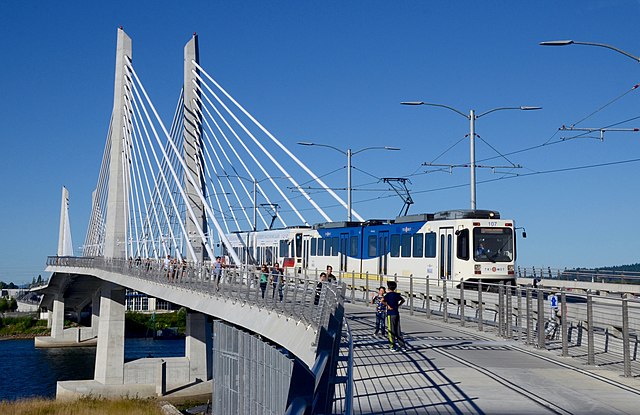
x=349, y=154
x=472, y=117
x=601, y=45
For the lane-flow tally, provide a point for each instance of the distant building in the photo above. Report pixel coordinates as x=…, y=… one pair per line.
x=141, y=302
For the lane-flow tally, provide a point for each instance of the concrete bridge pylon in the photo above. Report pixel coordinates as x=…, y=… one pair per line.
x=117, y=196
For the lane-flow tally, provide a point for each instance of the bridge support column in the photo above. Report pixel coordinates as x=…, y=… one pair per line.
x=109, y=368
x=95, y=313
x=57, y=317
x=199, y=346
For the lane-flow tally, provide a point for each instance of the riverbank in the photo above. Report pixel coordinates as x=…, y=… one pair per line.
x=23, y=327
x=85, y=406
x=23, y=336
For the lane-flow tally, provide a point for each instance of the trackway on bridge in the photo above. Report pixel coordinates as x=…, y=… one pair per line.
x=451, y=369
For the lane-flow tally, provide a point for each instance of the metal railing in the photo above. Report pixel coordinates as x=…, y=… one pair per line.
x=580, y=274
x=293, y=296
x=607, y=327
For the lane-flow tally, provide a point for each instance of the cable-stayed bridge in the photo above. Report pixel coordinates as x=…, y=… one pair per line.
x=169, y=199
x=166, y=199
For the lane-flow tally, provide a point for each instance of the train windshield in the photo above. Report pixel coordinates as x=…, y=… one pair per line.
x=493, y=245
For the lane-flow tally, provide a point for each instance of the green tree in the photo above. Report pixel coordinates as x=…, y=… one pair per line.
x=13, y=304
x=4, y=305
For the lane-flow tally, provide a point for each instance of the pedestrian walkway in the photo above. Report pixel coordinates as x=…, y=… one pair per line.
x=450, y=369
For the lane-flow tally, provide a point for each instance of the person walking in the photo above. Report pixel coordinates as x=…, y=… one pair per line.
x=264, y=278
x=392, y=300
x=381, y=311
x=277, y=280
x=323, y=278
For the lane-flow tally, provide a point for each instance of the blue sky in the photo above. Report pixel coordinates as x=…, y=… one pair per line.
x=335, y=72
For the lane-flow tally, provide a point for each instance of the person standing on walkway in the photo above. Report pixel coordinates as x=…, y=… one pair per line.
x=392, y=300
x=264, y=278
x=381, y=311
x=217, y=271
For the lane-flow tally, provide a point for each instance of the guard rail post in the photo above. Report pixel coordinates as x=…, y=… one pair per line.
x=540, y=331
x=501, y=331
x=563, y=322
x=462, y=303
x=353, y=292
x=366, y=287
x=480, y=308
x=626, y=347
x=529, y=322
x=591, y=358
x=427, y=299
x=519, y=316
x=445, y=300
x=509, y=310
x=410, y=294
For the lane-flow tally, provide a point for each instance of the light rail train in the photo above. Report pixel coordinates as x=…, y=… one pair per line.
x=458, y=245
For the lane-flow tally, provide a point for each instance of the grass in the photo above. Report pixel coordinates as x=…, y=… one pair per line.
x=83, y=406
x=26, y=325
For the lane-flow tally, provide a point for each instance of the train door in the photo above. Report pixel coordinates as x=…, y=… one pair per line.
x=305, y=251
x=343, y=251
x=383, y=250
x=445, y=253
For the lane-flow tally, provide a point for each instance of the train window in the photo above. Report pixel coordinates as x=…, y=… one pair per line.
x=405, y=245
x=284, y=247
x=327, y=247
x=395, y=246
x=298, y=247
x=268, y=255
x=373, y=246
x=320, y=246
x=493, y=244
x=353, y=251
x=314, y=244
x=442, y=255
x=418, y=245
x=462, y=246
x=430, y=245
x=335, y=245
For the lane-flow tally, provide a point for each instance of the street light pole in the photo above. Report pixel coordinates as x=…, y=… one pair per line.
x=472, y=150
x=349, y=153
x=472, y=117
x=601, y=45
x=255, y=206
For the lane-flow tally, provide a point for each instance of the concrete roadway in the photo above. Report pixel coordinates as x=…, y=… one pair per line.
x=454, y=370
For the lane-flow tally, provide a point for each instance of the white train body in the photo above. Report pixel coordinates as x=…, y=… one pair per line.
x=457, y=245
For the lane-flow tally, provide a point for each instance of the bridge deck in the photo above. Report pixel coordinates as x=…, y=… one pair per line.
x=449, y=369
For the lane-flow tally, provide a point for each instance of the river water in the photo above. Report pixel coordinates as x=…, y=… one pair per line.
x=30, y=372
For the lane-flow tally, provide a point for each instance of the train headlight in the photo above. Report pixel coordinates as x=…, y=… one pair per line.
x=510, y=269
x=477, y=269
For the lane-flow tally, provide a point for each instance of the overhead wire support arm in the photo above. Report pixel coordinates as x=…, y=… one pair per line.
x=591, y=130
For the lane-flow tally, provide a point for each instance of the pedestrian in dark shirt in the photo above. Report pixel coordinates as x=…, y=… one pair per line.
x=330, y=276
x=323, y=278
x=381, y=311
x=393, y=301
x=277, y=280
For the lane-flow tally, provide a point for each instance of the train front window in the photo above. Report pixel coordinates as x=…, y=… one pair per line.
x=493, y=244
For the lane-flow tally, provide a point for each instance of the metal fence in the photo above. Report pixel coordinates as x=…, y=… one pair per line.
x=250, y=376
x=294, y=295
x=603, y=329
x=579, y=274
